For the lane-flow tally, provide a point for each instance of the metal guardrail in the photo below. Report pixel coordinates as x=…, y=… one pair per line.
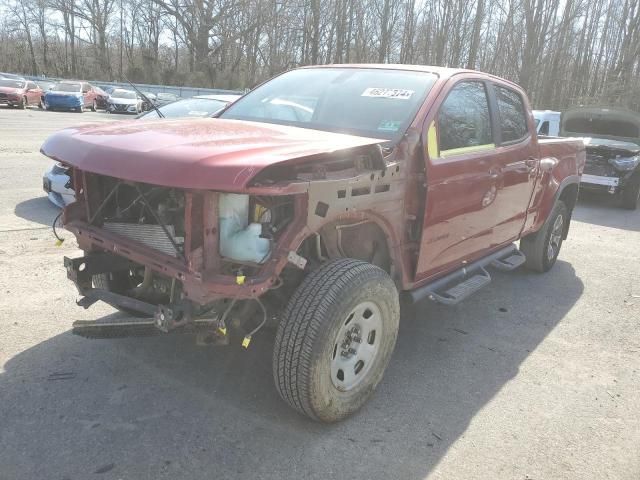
x=183, y=92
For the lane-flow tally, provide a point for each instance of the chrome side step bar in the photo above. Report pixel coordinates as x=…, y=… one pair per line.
x=456, y=286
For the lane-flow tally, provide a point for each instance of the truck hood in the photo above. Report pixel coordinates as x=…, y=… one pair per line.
x=206, y=153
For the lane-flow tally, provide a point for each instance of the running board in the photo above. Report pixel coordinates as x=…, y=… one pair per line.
x=462, y=290
x=509, y=263
x=456, y=286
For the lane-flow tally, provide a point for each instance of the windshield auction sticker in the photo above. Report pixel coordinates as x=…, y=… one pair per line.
x=398, y=93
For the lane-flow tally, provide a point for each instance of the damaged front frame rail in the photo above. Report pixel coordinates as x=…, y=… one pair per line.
x=81, y=271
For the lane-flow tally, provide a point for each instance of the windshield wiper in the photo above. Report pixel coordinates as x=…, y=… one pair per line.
x=144, y=97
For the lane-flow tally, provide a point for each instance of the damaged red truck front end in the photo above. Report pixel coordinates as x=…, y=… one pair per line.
x=149, y=197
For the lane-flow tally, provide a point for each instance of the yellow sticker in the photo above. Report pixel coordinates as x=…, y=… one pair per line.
x=432, y=141
x=222, y=330
x=240, y=279
x=246, y=341
x=59, y=242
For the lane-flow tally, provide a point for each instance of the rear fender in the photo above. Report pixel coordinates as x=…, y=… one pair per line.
x=554, y=190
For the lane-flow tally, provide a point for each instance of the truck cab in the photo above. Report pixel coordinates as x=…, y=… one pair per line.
x=314, y=202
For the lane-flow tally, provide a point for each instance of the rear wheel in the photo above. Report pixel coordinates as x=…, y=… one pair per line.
x=631, y=193
x=542, y=248
x=335, y=339
x=41, y=105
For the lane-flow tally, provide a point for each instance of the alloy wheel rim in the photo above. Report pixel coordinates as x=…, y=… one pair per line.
x=555, y=238
x=356, y=346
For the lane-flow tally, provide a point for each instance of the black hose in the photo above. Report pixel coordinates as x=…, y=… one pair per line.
x=55, y=233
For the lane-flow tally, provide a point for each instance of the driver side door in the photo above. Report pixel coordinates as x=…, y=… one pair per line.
x=462, y=180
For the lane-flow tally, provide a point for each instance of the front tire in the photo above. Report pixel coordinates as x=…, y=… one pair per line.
x=542, y=248
x=335, y=339
x=94, y=106
x=23, y=103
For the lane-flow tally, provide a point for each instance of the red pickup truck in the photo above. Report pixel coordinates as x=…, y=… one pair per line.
x=311, y=203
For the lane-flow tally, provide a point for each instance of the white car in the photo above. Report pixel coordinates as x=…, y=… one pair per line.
x=124, y=101
x=57, y=184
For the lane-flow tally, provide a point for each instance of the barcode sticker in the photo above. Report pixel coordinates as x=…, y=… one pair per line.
x=399, y=93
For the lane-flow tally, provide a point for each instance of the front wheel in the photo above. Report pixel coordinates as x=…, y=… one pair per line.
x=335, y=339
x=542, y=248
x=23, y=103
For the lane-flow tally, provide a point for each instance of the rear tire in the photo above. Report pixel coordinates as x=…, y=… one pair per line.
x=631, y=193
x=335, y=339
x=542, y=248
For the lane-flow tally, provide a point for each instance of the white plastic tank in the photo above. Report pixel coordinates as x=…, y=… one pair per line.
x=239, y=239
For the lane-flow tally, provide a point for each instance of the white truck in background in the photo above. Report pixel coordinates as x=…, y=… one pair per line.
x=547, y=122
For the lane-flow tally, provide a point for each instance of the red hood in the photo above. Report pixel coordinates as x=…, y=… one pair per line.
x=11, y=90
x=202, y=153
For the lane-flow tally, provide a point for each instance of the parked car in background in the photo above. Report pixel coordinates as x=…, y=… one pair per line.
x=45, y=84
x=163, y=98
x=406, y=178
x=198, y=106
x=147, y=102
x=56, y=183
x=547, y=122
x=70, y=95
x=613, y=150
x=20, y=93
x=107, y=88
x=124, y=101
x=101, y=98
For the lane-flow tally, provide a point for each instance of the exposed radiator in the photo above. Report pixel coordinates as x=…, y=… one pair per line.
x=150, y=235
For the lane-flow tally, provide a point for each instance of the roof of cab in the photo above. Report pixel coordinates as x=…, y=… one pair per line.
x=443, y=73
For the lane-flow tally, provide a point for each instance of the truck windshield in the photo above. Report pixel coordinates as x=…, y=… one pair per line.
x=375, y=103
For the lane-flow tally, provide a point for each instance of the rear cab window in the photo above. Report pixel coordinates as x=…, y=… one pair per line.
x=463, y=122
x=512, y=116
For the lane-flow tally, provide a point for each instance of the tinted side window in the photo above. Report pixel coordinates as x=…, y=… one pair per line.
x=463, y=120
x=513, y=116
x=544, y=129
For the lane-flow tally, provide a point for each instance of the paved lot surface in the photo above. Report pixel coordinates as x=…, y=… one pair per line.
x=536, y=377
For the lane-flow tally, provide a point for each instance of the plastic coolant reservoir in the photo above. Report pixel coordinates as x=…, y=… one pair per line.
x=240, y=240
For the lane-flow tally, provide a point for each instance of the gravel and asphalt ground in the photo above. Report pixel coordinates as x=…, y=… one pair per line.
x=535, y=377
